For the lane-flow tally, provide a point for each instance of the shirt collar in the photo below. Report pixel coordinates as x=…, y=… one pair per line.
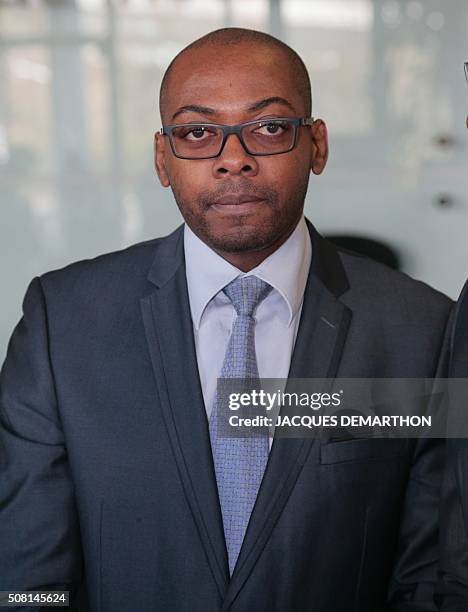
x=286, y=270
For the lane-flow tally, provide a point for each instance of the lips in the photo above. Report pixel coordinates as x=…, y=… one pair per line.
x=237, y=199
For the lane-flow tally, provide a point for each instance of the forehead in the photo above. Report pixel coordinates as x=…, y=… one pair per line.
x=231, y=77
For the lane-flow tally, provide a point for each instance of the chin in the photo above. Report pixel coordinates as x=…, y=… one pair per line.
x=242, y=239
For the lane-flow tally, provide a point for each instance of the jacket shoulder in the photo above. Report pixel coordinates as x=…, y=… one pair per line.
x=395, y=293
x=125, y=268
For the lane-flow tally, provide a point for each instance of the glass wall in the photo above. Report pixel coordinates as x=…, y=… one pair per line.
x=78, y=110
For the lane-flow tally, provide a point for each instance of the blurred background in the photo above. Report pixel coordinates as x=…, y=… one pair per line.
x=79, y=81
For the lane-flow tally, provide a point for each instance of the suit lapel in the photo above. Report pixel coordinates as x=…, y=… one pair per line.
x=319, y=344
x=168, y=327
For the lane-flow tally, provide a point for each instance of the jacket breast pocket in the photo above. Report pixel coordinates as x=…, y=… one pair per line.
x=363, y=449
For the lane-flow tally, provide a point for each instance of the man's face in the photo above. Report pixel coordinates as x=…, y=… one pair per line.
x=238, y=202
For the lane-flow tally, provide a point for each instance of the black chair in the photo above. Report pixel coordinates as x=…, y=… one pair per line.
x=366, y=246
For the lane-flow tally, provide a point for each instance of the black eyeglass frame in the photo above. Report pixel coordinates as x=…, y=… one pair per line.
x=237, y=129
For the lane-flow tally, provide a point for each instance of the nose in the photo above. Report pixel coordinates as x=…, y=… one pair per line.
x=234, y=160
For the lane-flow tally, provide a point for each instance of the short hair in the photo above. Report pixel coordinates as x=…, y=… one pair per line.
x=234, y=36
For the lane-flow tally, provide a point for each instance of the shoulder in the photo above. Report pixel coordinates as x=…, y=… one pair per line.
x=459, y=339
x=378, y=288
x=92, y=295
x=462, y=308
x=119, y=271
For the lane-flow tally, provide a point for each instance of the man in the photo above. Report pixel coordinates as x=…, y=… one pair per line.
x=452, y=592
x=452, y=588
x=113, y=474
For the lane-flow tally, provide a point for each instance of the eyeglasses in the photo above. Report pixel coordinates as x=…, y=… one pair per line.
x=270, y=136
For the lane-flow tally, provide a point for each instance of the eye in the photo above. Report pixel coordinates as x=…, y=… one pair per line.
x=272, y=128
x=198, y=133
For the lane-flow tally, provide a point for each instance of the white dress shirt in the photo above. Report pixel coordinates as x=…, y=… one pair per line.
x=276, y=318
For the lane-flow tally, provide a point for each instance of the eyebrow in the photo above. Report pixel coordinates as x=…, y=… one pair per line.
x=206, y=110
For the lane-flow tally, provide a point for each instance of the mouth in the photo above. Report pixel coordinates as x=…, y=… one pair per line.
x=238, y=203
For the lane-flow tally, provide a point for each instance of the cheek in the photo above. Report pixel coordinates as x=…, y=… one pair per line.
x=286, y=171
x=188, y=178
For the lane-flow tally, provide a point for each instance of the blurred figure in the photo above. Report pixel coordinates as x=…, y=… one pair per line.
x=453, y=568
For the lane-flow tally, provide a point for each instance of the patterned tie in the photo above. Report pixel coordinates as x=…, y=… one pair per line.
x=239, y=461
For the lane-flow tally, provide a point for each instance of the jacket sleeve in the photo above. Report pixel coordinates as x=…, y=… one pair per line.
x=39, y=531
x=414, y=579
x=452, y=589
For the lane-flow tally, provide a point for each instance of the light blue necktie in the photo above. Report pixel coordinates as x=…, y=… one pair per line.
x=239, y=461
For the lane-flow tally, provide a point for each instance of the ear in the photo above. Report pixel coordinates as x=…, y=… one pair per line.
x=159, y=159
x=320, y=146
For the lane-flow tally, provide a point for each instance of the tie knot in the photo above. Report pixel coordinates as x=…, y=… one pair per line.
x=246, y=293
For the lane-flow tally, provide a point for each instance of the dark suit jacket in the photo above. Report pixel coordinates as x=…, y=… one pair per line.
x=106, y=474
x=452, y=591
